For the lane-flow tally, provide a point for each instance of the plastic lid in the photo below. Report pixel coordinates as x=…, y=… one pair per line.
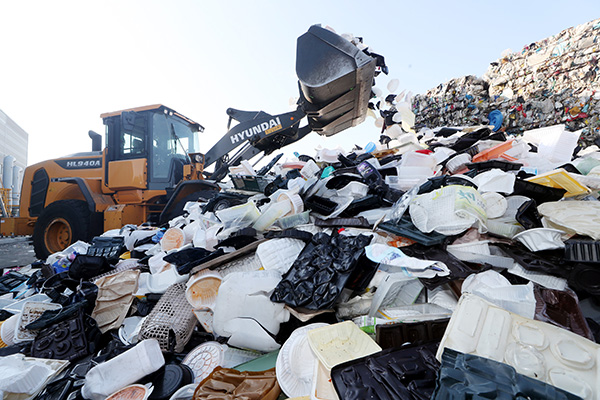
x=370, y=147
x=169, y=380
x=495, y=204
x=173, y=238
x=132, y=392
x=204, y=359
x=202, y=289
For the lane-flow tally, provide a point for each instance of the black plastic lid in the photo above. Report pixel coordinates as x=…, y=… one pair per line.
x=169, y=380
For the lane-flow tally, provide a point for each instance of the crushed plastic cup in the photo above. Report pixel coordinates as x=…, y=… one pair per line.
x=538, y=239
x=109, y=376
x=501, y=228
x=202, y=289
x=129, y=330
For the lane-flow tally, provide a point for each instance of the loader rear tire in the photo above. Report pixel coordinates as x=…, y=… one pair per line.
x=59, y=225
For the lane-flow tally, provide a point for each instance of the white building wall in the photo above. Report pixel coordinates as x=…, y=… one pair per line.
x=13, y=140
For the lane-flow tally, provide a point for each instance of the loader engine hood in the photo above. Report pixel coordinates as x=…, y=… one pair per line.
x=335, y=80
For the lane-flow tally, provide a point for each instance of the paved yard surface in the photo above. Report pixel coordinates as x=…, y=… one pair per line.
x=16, y=251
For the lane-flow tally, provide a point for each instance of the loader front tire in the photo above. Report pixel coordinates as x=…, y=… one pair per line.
x=59, y=225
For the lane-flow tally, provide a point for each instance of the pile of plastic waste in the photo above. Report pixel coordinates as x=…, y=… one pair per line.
x=552, y=81
x=427, y=268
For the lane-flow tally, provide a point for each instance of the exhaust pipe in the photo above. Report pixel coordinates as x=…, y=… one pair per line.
x=96, y=141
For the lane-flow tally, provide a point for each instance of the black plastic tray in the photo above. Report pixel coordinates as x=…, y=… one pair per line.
x=401, y=373
x=320, y=205
x=324, y=267
x=357, y=222
x=69, y=340
x=406, y=228
x=397, y=334
x=539, y=193
x=466, y=376
x=584, y=251
x=109, y=247
x=495, y=164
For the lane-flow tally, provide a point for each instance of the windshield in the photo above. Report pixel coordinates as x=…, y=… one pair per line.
x=171, y=138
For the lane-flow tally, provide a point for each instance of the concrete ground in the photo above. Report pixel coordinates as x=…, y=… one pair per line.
x=15, y=252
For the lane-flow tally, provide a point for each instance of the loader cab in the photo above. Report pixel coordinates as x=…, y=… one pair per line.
x=147, y=147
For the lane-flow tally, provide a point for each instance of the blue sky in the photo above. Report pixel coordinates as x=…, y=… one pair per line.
x=66, y=62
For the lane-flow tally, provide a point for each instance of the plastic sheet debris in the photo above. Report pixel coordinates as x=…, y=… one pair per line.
x=244, y=313
x=449, y=211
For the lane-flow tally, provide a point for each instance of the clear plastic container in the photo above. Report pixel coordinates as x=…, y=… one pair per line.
x=246, y=212
x=294, y=220
x=272, y=214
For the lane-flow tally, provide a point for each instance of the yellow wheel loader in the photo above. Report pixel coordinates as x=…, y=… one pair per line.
x=151, y=164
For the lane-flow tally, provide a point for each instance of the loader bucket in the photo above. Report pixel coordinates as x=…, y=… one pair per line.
x=335, y=80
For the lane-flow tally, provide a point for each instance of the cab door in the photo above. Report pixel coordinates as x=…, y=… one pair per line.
x=127, y=152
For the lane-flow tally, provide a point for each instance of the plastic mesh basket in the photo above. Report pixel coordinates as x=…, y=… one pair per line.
x=171, y=321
